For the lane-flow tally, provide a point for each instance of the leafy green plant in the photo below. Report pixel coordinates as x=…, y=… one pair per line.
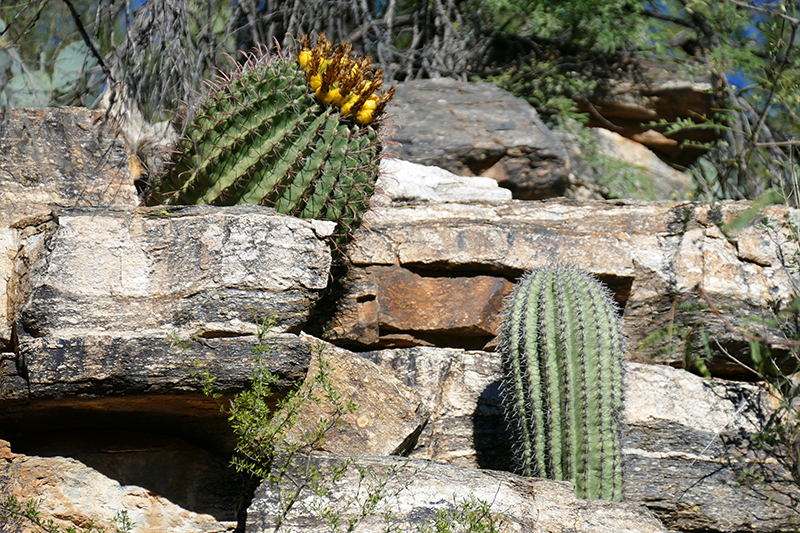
x=562, y=380
x=276, y=445
x=469, y=515
x=299, y=136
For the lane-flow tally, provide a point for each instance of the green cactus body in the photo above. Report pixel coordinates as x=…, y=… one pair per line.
x=262, y=136
x=562, y=380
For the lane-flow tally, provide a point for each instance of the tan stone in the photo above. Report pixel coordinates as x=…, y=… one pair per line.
x=8, y=252
x=662, y=181
x=62, y=156
x=649, y=254
x=389, y=416
x=193, y=269
x=72, y=494
x=414, y=492
x=686, y=440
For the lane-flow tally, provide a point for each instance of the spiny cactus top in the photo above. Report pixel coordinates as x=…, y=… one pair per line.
x=562, y=380
x=340, y=80
x=300, y=136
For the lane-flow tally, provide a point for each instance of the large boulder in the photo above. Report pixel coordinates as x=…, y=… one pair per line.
x=190, y=270
x=478, y=129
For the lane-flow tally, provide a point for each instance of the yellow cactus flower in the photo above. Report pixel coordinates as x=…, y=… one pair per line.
x=371, y=104
x=342, y=81
x=349, y=102
x=334, y=97
x=365, y=116
x=303, y=58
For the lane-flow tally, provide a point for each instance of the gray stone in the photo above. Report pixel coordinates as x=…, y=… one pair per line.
x=478, y=129
x=191, y=270
x=127, y=365
x=412, y=493
x=66, y=156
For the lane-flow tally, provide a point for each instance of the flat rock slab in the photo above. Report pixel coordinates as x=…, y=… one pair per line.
x=651, y=255
x=107, y=365
x=415, y=493
x=52, y=158
x=686, y=441
x=478, y=129
x=191, y=270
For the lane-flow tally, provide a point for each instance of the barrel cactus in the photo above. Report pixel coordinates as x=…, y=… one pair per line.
x=300, y=135
x=562, y=380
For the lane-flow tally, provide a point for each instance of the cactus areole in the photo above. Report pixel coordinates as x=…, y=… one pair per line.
x=562, y=380
x=301, y=136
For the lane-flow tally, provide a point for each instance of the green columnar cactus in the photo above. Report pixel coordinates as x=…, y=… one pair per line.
x=300, y=136
x=562, y=380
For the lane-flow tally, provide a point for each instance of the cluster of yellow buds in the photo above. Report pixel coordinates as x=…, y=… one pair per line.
x=338, y=79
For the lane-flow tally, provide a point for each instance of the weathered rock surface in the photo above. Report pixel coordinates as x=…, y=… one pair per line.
x=54, y=157
x=415, y=491
x=658, y=92
x=477, y=129
x=74, y=494
x=129, y=405
x=403, y=182
x=132, y=407
x=650, y=255
x=191, y=270
x=67, y=157
x=646, y=178
x=389, y=416
x=686, y=441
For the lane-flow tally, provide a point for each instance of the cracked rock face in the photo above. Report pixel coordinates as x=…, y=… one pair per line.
x=191, y=270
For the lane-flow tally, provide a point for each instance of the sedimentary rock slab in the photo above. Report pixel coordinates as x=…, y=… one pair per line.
x=652, y=256
x=75, y=495
x=126, y=365
x=192, y=270
x=388, y=416
x=380, y=493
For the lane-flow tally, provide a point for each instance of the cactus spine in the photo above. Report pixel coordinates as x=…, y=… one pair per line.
x=562, y=380
x=272, y=133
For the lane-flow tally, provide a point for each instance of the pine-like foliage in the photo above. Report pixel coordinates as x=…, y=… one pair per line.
x=272, y=134
x=562, y=380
